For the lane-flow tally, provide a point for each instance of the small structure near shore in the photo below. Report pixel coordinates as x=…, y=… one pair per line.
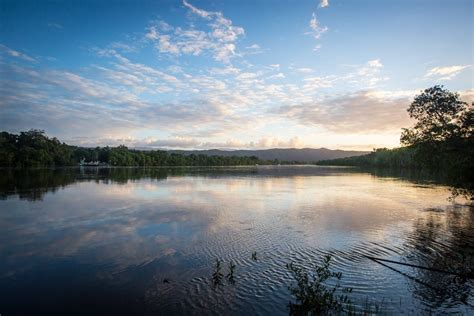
x=84, y=163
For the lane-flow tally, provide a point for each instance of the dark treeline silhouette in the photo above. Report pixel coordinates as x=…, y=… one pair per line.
x=35, y=149
x=441, y=139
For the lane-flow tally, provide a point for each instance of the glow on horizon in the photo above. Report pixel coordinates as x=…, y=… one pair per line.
x=199, y=74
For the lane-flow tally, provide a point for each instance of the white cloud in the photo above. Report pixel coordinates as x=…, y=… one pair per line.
x=202, y=13
x=152, y=33
x=165, y=46
x=262, y=143
x=323, y=3
x=131, y=142
x=179, y=142
x=220, y=40
x=14, y=53
x=375, y=63
x=316, y=30
x=253, y=49
x=446, y=73
x=253, y=46
x=306, y=70
x=367, y=75
x=279, y=75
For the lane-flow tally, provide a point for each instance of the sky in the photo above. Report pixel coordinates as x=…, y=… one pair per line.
x=248, y=74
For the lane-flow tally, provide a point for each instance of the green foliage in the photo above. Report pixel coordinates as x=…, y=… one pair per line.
x=314, y=293
x=35, y=149
x=380, y=157
x=441, y=116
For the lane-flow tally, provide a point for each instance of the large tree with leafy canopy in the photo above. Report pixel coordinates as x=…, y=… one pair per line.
x=441, y=117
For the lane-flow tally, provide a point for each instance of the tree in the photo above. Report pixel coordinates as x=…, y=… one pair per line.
x=441, y=116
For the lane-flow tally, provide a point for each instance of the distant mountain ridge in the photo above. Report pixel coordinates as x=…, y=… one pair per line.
x=282, y=154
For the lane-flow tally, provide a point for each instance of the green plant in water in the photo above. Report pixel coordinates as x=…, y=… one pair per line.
x=230, y=275
x=217, y=274
x=312, y=292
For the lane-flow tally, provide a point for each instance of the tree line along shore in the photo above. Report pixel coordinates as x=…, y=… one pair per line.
x=33, y=149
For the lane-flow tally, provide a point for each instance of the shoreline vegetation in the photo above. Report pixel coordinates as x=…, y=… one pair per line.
x=34, y=149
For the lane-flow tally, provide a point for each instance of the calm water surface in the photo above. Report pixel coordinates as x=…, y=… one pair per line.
x=137, y=241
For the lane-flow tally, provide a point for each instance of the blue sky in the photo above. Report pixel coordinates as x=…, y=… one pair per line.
x=228, y=74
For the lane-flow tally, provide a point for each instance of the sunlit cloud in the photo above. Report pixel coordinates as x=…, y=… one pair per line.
x=178, y=142
x=446, y=73
x=359, y=112
x=323, y=3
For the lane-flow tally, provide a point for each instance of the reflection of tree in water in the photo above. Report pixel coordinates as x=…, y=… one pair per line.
x=443, y=240
x=461, y=183
x=32, y=184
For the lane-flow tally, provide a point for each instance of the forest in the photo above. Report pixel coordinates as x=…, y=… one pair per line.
x=35, y=149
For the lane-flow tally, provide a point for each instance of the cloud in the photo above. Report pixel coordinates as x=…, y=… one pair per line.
x=199, y=12
x=122, y=96
x=16, y=54
x=316, y=29
x=78, y=105
x=261, y=143
x=305, y=70
x=131, y=142
x=219, y=40
x=253, y=49
x=446, y=73
x=177, y=142
x=367, y=75
x=152, y=33
x=359, y=112
x=467, y=96
x=55, y=25
x=323, y=3
x=279, y=75
x=375, y=63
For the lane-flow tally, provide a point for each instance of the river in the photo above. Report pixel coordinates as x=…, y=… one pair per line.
x=145, y=241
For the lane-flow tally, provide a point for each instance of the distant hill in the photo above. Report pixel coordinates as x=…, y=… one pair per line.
x=282, y=154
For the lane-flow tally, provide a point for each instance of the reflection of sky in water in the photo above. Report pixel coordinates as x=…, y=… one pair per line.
x=145, y=230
